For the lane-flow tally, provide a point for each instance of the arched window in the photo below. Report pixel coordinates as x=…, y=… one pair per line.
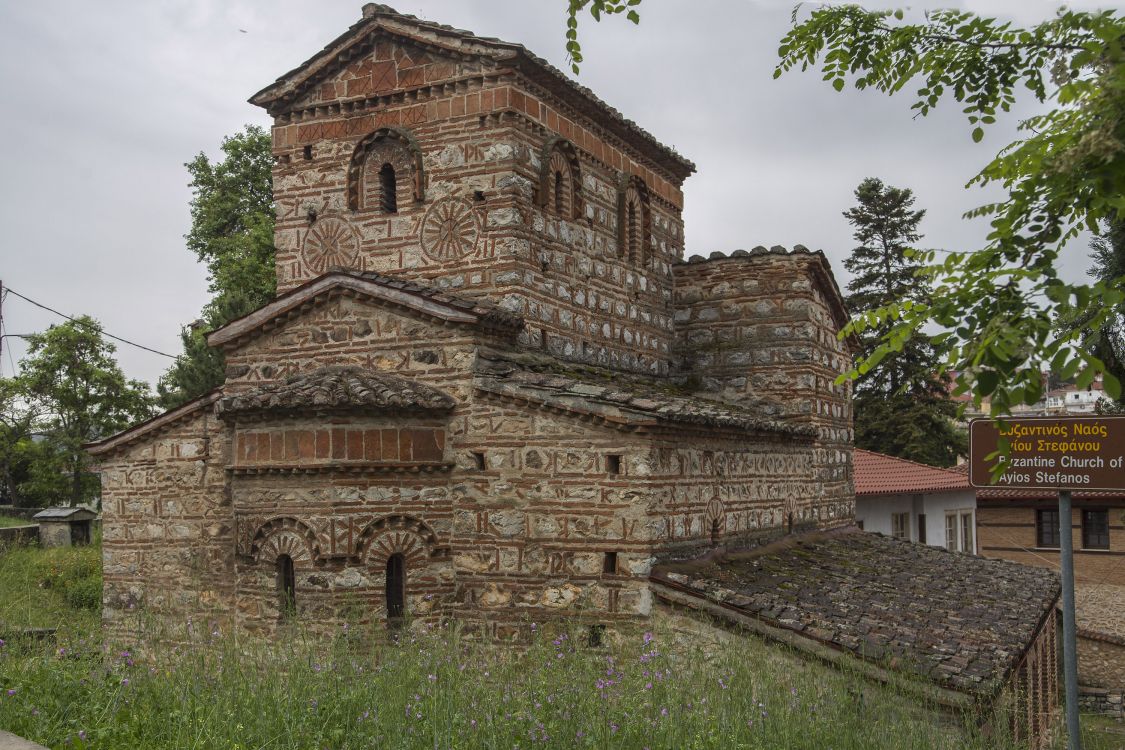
x=560, y=179
x=286, y=586
x=396, y=587
x=559, y=197
x=715, y=532
x=388, y=189
x=633, y=221
x=385, y=165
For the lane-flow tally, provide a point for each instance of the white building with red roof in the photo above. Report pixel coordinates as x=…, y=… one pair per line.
x=915, y=502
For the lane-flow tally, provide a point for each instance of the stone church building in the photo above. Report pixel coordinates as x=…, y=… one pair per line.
x=491, y=389
x=489, y=386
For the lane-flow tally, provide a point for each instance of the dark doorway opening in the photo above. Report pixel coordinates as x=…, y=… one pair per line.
x=80, y=532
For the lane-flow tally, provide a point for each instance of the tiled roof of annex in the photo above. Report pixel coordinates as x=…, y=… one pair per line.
x=627, y=402
x=959, y=620
x=880, y=474
x=340, y=387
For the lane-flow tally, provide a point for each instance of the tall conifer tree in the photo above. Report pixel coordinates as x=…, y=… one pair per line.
x=902, y=407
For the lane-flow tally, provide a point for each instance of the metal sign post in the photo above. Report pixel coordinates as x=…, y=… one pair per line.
x=1062, y=454
x=1070, y=640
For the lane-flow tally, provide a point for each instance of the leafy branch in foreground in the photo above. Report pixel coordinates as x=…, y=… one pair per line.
x=998, y=307
x=598, y=8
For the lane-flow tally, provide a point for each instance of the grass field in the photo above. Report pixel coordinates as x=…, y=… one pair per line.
x=432, y=690
x=6, y=521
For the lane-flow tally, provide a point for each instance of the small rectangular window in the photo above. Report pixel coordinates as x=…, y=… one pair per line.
x=1047, y=528
x=609, y=563
x=478, y=460
x=859, y=523
x=951, y=533
x=921, y=528
x=308, y=152
x=1095, y=529
x=967, y=533
x=613, y=464
x=900, y=526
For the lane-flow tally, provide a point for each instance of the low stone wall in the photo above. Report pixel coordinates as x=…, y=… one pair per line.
x=1101, y=661
x=1100, y=701
x=19, y=534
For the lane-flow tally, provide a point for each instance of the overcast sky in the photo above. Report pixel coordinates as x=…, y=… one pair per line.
x=106, y=100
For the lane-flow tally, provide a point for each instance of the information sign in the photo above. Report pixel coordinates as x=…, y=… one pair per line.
x=1050, y=453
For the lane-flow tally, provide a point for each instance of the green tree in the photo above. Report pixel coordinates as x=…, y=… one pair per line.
x=19, y=419
x=902, y=408
x=998, y=307
x=1108, y=342
x=232, y=233
x=72, y=384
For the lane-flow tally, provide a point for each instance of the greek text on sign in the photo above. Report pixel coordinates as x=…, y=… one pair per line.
x=1050, y=453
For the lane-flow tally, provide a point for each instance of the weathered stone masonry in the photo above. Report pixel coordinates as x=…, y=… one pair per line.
x=489, y=387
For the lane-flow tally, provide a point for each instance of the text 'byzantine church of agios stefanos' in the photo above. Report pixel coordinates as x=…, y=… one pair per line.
x=489, y=388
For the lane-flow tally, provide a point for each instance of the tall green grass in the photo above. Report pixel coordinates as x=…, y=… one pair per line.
x=44, y=588
x=438, y=690
x=432, y=689
x=6, y=521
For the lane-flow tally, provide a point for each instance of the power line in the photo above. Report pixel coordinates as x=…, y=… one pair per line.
x=82, y=322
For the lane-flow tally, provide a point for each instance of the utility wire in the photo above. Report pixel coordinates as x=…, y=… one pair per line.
x=8, y=290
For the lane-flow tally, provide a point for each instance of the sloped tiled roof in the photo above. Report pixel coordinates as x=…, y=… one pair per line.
x=340, y=388
x=415, y=296
x=61, y=513
x=629, y=404
x=880, y=474
x=958, y=620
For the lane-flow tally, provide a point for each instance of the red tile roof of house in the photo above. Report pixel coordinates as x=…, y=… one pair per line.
x=880, y=474
x=1017, y=493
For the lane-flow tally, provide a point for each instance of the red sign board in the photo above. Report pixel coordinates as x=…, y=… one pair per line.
x=1049, y=453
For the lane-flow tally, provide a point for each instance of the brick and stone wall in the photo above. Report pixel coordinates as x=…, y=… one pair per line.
x=759, y=328
x=167, y=526
x=476, y=142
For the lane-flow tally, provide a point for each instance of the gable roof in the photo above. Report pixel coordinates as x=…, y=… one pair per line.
x=168, y=419
x=961, y=621
x=880, y=474
x=340, y=387
x=382, y=19
x=631, y=406
x=77, y=513
x=411, y=296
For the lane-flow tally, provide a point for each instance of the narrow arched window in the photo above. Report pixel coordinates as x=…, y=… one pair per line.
x=286, y=586
x=560, y=197
x=633, y=232
x=396, y=587
x=388, y=189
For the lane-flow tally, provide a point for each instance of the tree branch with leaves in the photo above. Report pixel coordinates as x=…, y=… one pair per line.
x=998, y=305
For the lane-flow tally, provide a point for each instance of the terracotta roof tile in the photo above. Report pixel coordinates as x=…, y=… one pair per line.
x=959, y=620
x=880, y=474
x=340, y=388
x=1013, y=493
